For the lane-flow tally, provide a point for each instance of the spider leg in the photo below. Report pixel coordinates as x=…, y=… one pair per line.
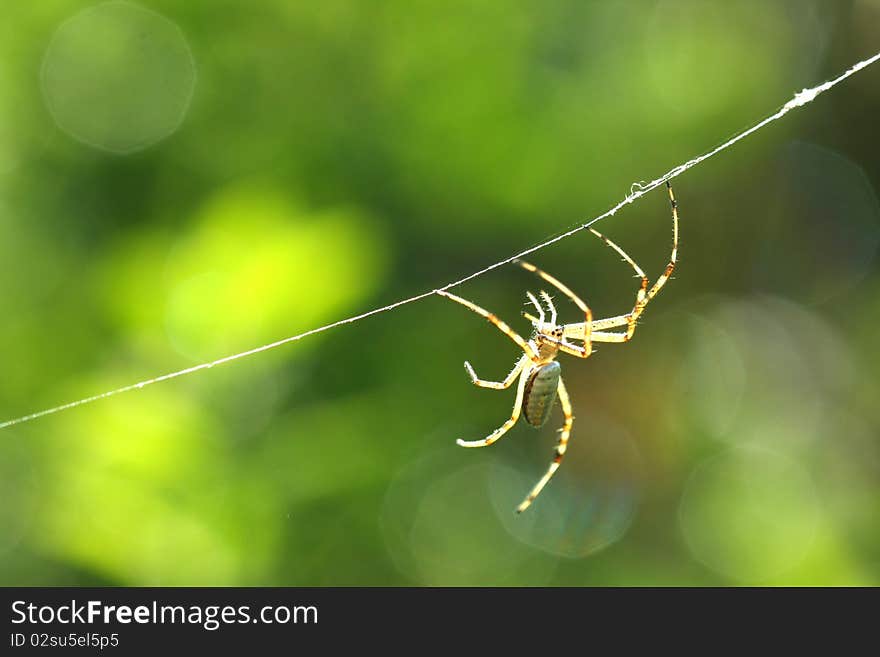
x=497, y=385
x=643, y=296
x=504, y=428
x=577, y=330
x=537, y=306
x=504, y=328
x=611, y=336
x=549, y=301
x=575, y=350
x=561, y=446
x=630, y=318
x=568, y=347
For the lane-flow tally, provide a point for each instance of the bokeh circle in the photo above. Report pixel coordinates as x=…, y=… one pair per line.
x=749, y=513
x=441, y=530
x=118, y=77
x=588, y=505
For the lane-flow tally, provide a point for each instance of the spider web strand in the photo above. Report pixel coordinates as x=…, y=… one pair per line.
x=801, y=98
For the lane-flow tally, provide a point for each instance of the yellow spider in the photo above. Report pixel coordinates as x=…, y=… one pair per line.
x=540, y=376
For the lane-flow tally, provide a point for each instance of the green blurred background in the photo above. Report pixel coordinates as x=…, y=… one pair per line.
x=181, y=180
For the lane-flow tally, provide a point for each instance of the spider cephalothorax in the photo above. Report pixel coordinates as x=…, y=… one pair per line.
x=540, y=375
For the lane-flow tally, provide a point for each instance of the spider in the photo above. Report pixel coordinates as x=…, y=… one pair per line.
x=540, y=375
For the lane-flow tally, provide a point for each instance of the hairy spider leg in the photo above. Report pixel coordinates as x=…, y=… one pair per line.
x=549, y=301
x=537, y=306
x=497, y=385
x=564, y=345
x=499, y=324
x=643, y=296
x=514, y=416
x=559, y=452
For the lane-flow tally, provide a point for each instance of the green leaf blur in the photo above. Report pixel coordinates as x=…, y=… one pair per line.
x=180, y=181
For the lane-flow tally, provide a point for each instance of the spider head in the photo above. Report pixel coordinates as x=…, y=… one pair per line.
x=550, y=333
x=543, y=327
x=547, y=338
x=545, y=331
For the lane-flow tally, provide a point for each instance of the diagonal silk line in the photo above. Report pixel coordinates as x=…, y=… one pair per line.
x=638, y=190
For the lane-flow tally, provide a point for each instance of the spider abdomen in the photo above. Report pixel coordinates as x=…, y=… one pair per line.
x=540, y=393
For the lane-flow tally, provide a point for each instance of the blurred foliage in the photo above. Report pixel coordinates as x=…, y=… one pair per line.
x=184, y=180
